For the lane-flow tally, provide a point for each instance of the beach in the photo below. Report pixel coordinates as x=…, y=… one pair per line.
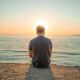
x=22, y=71
x=40, y=31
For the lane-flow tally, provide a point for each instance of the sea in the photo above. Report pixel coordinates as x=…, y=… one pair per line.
x=66, y=49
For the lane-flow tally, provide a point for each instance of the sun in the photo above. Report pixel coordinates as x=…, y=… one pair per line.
x=40, y=22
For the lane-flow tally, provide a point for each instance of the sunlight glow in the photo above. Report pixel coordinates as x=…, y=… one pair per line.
x=40, y=22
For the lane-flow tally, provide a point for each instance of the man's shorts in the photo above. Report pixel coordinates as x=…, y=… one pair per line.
x=40, y=65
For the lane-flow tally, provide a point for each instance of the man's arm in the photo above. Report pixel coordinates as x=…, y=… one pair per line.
x=30, y=54
x=50, y=52
x=30, y=49
x=50, y=48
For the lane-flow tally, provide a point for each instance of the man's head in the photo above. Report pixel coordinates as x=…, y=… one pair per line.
x=40, y=30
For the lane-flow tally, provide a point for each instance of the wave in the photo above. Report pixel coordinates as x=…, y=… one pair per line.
x=56, y=52
x=15, y=50
x=19, y=51
x=67, y=53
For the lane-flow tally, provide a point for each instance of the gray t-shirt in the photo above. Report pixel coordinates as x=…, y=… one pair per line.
x=41, y=49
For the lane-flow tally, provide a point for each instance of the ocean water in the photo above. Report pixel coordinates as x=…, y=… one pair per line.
x=66, y=50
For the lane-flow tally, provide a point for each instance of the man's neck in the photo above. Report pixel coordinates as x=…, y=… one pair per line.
x=41, y=34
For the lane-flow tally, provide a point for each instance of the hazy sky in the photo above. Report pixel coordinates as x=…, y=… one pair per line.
x=61, y=16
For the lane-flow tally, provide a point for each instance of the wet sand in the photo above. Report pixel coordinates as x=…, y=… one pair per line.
x=19, y=71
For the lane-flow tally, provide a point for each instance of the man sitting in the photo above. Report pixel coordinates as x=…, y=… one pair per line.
x=40, y=49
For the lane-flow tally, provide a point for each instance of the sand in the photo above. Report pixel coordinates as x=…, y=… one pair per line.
x=19, y=71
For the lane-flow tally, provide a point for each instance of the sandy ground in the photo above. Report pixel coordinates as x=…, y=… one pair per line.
x=17, y=71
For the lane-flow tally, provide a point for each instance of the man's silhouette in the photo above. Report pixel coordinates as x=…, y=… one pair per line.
x=40, y=49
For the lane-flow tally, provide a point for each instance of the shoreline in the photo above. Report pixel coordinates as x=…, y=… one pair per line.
x=28, y=63
x=17, y=71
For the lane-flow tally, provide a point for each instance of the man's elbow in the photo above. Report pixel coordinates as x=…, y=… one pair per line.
x=30, y=55
x=50, y=50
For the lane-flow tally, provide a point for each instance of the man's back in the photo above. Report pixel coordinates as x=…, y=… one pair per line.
x=41, y=50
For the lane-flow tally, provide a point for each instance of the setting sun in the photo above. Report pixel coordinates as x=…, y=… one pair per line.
x=40, y=22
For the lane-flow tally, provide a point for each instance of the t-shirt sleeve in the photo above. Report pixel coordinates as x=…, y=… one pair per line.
x=30, y=46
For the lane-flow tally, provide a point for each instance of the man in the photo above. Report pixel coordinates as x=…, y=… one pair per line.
x=40, y=49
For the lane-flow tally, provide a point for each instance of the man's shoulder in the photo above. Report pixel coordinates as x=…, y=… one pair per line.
x=47, y=39
x=33, y=39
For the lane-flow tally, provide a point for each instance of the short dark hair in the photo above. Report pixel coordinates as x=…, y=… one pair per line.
x=40, y=29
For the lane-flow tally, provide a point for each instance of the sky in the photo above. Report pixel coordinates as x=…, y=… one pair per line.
x=18, y=17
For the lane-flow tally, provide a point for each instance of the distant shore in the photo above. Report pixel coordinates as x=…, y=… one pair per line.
x=33, y=35
x=17, y=71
